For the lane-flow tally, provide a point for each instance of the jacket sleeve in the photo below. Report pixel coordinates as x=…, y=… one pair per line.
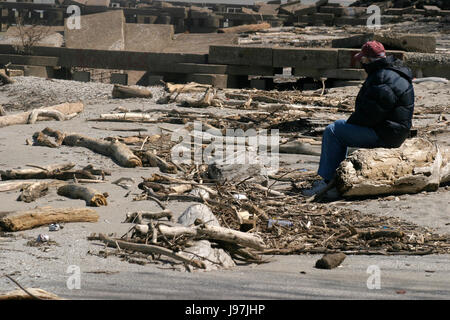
x=373, y=107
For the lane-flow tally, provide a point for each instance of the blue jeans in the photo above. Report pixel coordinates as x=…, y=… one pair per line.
x=336, y=138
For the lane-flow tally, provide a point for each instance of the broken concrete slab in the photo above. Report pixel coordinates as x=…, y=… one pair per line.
x=398, y=41
x=428, y=64
x=347, y=74
x=352, y=42
x=49, y=36
x=305, y=57
x=199, y=42
x=432, y=10
x=147, y=37
x=408, y=42
x=101, y=31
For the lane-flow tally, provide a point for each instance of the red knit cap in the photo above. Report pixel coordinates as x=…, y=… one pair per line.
x=371, y=49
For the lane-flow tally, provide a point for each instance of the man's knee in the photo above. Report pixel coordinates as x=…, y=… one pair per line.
x=333, y=127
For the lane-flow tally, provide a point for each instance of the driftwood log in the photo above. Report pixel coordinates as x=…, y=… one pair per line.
x=136, y=217
x=60, y=112
x=185, y=88
x=5, y=79
x=44, y=172
x=114, y=149
x=91, y=196
x=418, y=165
x=28, y=219
x=210, y=232
x=330, y=261
x=58, y=171
x=208, y=100
x=20, y=294
x=152, y=160
x=151, y=249
x=34, y=191
x=245, y=28
x=127, y=117
x=123, y=92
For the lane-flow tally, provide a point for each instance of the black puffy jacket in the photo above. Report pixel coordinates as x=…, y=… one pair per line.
x=386, y=101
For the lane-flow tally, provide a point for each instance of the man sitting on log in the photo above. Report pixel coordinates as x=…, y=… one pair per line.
x=382, y=117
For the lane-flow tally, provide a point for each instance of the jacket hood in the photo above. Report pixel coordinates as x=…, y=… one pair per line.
x=391, y=63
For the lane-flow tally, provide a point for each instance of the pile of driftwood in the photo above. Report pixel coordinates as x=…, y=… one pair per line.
x=195, y=240
x=244, y=220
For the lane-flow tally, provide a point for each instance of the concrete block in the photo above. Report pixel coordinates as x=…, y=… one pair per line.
x=354, y=12
x=200, y=43
x=101, y=31
x=347, y=74
x=419, y=11
x=395, y=41
x=137, y=77
x=119, y=78
x=399, y=11
x=326, y=18
x=342, y=21
x=305, y=57
x=239, y=55
x=353, y=41
x=29, y=60
x=83, y=76
x=408, y=42
x=37, y=71
x=428, y=64
x=250, y=70
x=290, y=7
x=336, y=10
x=385, y=19
x=308, y=72
x=145, y=19
x=308, y=19
x=189, y=68
x=147, y=37
x=305, y=10
x=216, y=80
x=432, y=10
x=200, y=68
